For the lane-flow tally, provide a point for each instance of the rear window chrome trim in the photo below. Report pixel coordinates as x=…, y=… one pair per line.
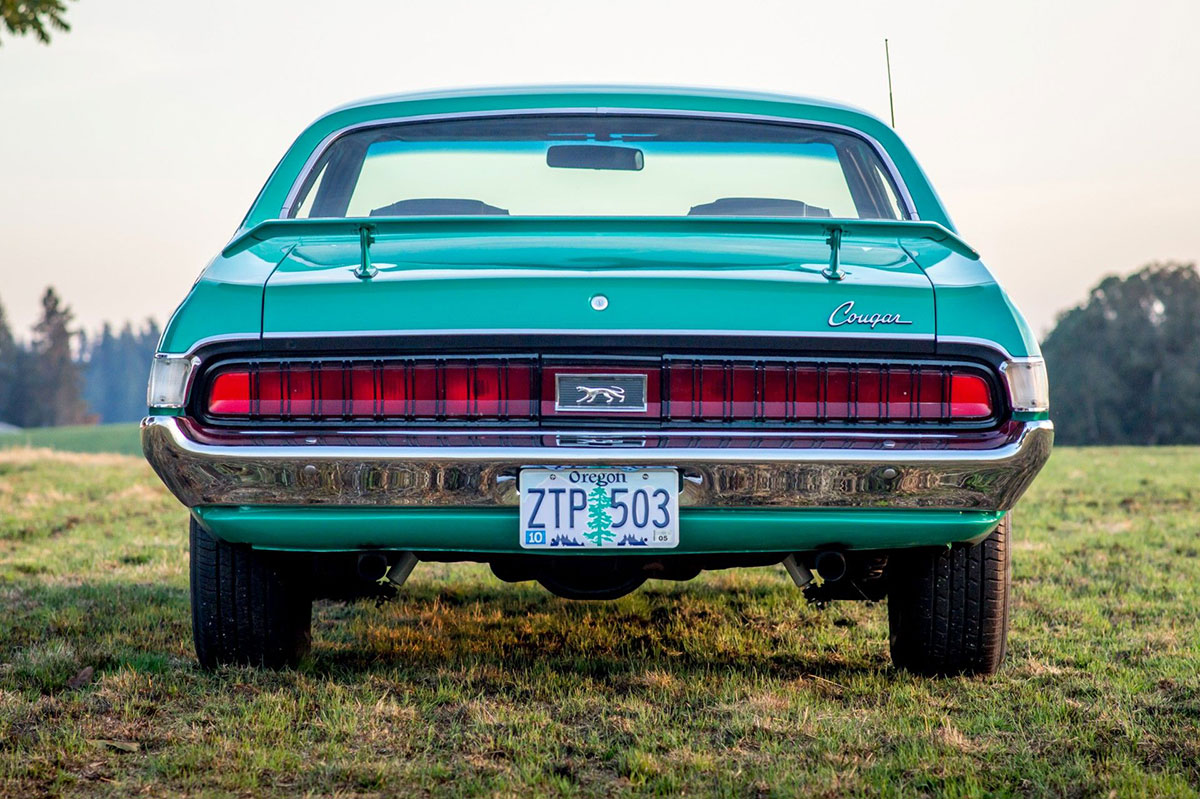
x=290, y=203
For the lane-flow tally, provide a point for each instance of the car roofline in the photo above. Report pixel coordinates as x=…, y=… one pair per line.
x=906, y=198
x=920, y=199
x=653, y=90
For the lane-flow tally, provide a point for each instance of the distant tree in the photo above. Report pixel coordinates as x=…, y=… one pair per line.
x=10, y=373
x=129, y=397
x=22, y=403
x=56, y=380
x=101, y=359
x=20, y=17
x=116, y=369
x=1125, y=365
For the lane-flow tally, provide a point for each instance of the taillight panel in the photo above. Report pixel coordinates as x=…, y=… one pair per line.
x=374, y=390
x=703, y=390
x=679, y=391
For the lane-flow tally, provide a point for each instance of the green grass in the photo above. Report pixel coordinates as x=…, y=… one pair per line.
x=119, y=438
x=729, y=685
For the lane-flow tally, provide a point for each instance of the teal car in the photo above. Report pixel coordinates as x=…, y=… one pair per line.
x=595, y=336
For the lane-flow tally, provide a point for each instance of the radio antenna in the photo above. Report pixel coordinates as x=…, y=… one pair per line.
x=891, y=103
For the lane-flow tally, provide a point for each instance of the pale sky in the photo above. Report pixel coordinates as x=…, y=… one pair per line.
x=1061, y=135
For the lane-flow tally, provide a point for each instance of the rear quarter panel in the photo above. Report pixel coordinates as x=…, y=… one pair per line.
x=225, y=301
x=971, y=304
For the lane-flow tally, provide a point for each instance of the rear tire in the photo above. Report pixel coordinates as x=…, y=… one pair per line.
x=948, y=608
x=248, y=607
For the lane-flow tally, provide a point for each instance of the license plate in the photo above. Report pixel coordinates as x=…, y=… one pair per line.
x=599, y=508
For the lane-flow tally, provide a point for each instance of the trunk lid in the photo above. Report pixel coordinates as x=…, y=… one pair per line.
x=682, y=279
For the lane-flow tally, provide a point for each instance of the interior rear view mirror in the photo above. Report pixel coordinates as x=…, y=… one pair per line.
x=593, y=156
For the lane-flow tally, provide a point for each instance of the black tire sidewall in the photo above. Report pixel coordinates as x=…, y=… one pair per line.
x=248, y=607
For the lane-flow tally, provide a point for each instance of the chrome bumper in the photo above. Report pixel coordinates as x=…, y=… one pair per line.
x=485, y=476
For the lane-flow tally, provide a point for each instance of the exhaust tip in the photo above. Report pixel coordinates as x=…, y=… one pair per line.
x=372, y=566
x=831, y=565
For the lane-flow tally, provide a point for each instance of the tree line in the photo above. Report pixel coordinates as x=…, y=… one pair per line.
x=1124, y=364
x=62, y=376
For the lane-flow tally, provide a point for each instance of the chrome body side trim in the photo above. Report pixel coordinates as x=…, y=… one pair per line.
x=910, y=208
x=447, y=475
x=225, y=338
x=533, y=331
x=972, y=341
x=256, y=341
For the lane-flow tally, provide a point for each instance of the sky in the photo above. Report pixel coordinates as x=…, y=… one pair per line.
x=1060, y=135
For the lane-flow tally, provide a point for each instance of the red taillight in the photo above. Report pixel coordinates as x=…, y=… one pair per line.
x=481, y=389
x=970, y=397
x=677, y=390
x=230, y=394
x=797, y=392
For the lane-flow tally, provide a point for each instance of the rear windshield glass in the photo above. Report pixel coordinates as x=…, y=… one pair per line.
x=598, y=165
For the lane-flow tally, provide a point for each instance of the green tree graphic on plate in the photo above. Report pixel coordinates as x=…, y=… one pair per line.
x=599, y=521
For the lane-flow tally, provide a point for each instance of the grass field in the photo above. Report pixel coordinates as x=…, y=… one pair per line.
x=119, y=438
x=729, y=685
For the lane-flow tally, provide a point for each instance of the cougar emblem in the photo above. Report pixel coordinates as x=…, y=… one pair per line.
x=599, y=393
x=591, y=393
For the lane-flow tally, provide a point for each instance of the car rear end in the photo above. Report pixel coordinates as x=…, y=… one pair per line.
x=591, y=462
x=828, y=450
x=593, y=400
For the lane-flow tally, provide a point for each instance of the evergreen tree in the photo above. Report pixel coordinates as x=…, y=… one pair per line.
x=116, y=369
x=97, y=389
x=599, y=522
x=10, y=373
x=56, y=381
x=130, y=394
x=20, y=17
x=22, y=402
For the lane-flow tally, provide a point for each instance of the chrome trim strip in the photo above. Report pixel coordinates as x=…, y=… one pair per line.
x=925, y=436
x=249, y=338
x=527, y=331
x=905, y=196
x=407, y=476
x=533, y=331
x=978, y=342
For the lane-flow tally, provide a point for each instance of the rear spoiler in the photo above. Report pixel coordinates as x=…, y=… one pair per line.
x=365, y=228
